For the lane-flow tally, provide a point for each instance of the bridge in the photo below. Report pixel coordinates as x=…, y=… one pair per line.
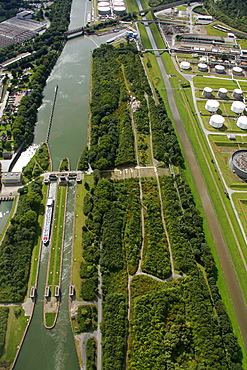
x=74, y=33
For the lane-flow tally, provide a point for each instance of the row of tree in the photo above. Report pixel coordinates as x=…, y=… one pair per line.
x=38, y=164
x=4, y=313
x=156, y=258
x=16, y=248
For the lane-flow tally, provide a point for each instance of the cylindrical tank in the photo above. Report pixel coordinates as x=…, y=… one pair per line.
x=222, y=93
x=103, y=10
x=238, y=163
x=207, y=92
x=242, y=122
x=219, y=68
x=212, y=106
x=203, y=59
x=237, y=71
x=237, y=94
x=185, y=65
x=202, y=67
x=216, y=121
x=237, y=107
x=118, y=3
x=119, y=9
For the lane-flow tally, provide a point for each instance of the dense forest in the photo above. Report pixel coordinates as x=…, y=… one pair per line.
x=232, y=12
x=118, y=76
x=182, y=323
x=16, y=248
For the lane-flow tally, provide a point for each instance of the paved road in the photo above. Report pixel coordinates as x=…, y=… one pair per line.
x=234, y=289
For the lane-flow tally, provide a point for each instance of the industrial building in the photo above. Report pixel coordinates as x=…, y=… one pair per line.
x=207, y=92
x=202, y=67
x=205, y=39
x=212, y=106
x=219, y=68
x=237, y=94
x=19, y=29
x=216, y=121
x=11, y=178
x=238, y=107
x=185, y=65
x=222, y=93
x=242, y=122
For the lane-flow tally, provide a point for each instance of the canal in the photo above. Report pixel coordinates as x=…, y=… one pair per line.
x=55, y=348
x=52, y=349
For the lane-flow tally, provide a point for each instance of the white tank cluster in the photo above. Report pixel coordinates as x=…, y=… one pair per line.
x=242, y=122
x=104, y=8
x=219, y=68
x=222, y=93
x=238, y=71
x=216, y=121
x=185, y=65
x=202, y=67
x=212, y=106
x=207, y=92
x=238, y=107
x=237, y=94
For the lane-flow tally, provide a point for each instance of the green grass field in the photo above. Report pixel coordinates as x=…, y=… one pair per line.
x=17, y=323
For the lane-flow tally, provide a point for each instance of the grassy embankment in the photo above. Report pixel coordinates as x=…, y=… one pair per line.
x=36, y=249
x=197, y=139
x=79, y=223
x=16, y=326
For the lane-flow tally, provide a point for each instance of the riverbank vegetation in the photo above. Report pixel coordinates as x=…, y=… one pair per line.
x=16, y=248
x=38, y=164
x=86, y=319
x=91, y=349
x=4, y=312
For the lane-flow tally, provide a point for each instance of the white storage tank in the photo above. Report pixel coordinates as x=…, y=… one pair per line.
x=242, y=122
x=185, y=65
x=219, y=68
x=119, y=9
x=203, y=59
x=222, y=93
x=118, y=3
x=212, y=106
x=207, y=92
x=238, y=107
x=104, y=10
x=237, y=71
x=216, y=121
x=237, y=94
x=202, y=67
